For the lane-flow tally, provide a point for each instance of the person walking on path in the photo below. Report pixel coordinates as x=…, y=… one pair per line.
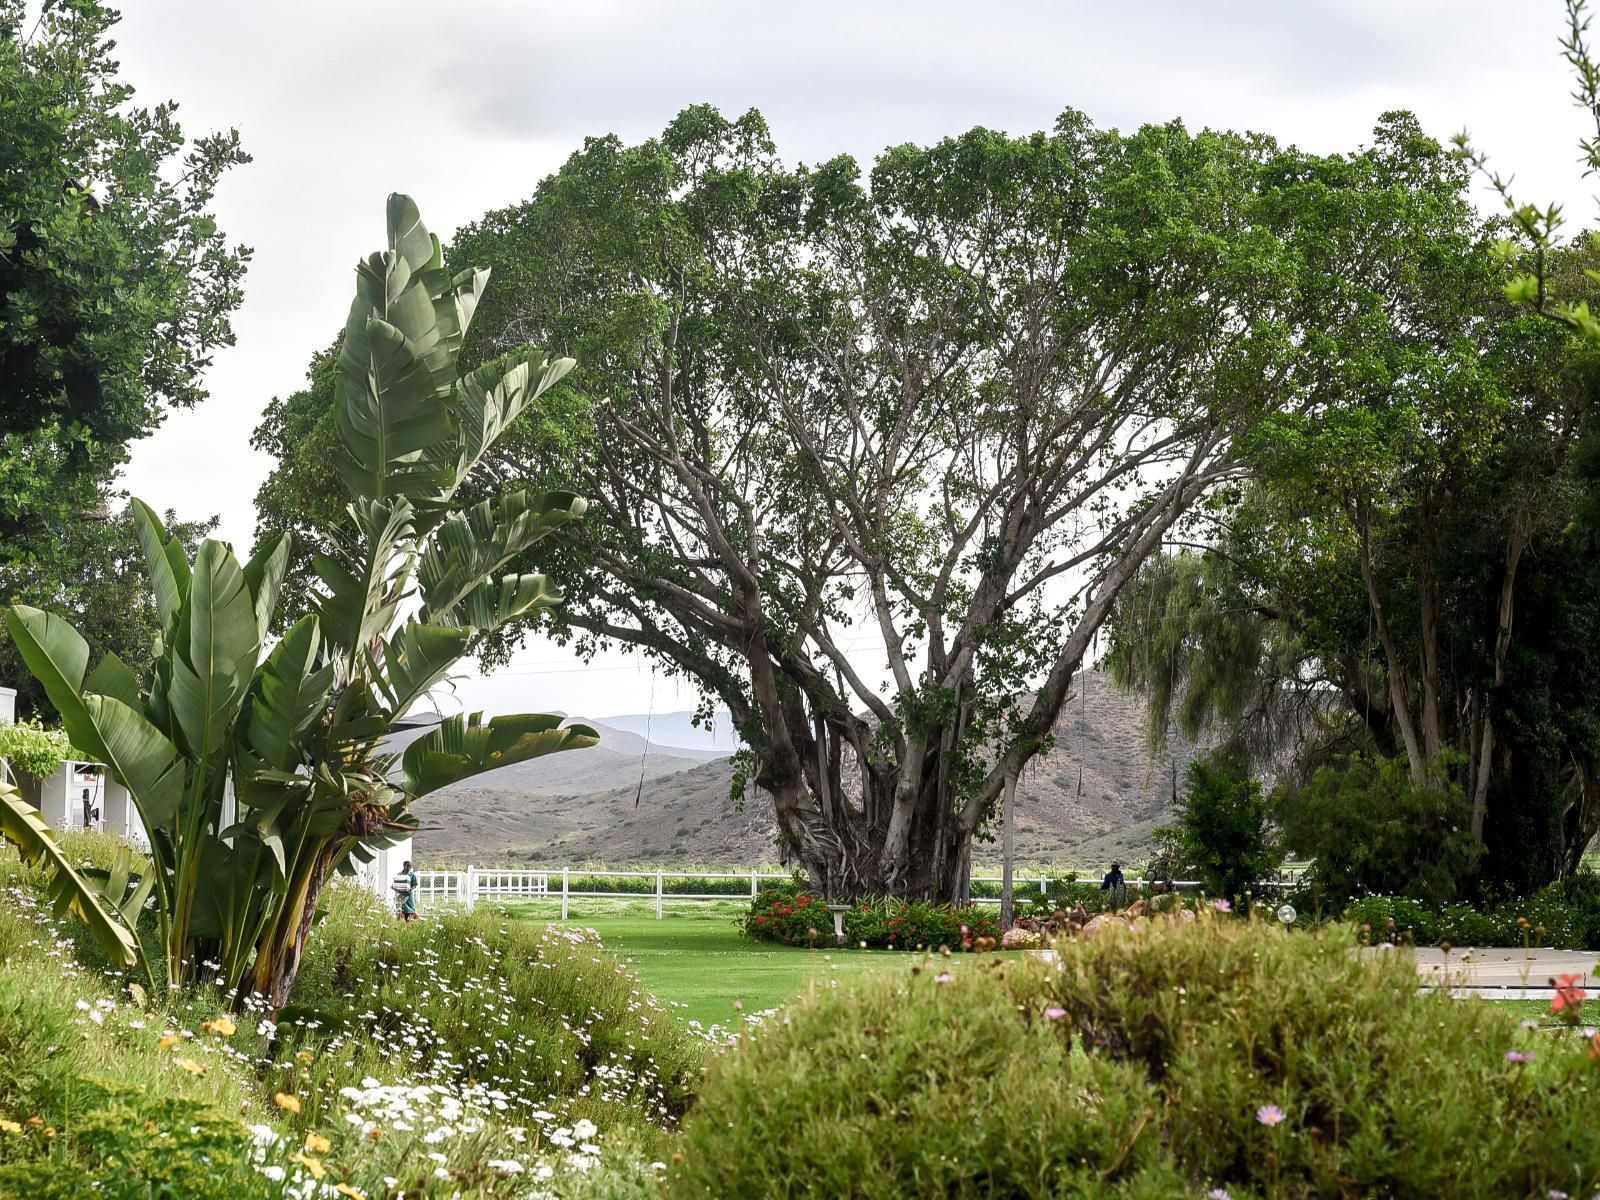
x=405, y=888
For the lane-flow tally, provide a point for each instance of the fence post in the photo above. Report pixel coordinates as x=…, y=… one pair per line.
x=752, y=883
x=470, y=882
x=1043, y=888
x=563, y=893
x=658, y=895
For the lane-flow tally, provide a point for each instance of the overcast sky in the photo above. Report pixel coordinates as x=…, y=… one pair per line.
x=467, y=106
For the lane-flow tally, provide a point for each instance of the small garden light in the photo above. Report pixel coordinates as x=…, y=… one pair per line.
x=1287, y=914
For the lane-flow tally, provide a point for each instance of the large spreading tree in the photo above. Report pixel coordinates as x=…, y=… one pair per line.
x=116, y=284
x=943, y=411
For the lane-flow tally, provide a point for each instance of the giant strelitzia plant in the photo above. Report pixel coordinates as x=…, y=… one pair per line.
x=298, y=728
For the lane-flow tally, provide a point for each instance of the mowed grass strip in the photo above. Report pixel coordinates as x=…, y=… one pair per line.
x=700, y=965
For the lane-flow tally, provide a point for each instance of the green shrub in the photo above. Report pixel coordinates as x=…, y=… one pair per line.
x=801, y=918
x=34, y=750
x=1146, y=1066
x=1564, y=915
x=790, y=915
x=1222, y=826
x=535, y=1011
x=1370, y=830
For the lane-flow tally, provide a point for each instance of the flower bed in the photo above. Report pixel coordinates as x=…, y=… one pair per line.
x=1562, y=916
x=798, y=917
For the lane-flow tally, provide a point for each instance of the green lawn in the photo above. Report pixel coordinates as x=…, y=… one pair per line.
x=701, y=965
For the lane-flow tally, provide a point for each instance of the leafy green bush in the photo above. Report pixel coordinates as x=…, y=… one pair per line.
x=1370, y=830
x=33, y=750
x=801, y=918
x=1564, y=915
x=1222, y=826
x=1196, y=1056
x=791, y=915
x=499, y=1047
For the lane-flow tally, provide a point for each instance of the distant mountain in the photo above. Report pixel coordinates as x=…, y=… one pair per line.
x=1097, y=795
x=677, y=730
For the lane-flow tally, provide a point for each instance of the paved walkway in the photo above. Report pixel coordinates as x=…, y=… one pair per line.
x=1503, y=974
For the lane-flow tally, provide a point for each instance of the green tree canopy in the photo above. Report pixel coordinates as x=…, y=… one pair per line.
x=116, y=284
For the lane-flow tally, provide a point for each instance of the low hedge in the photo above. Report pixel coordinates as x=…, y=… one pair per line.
x=798, y=917
x=1564, y=915
x=1217, y=1057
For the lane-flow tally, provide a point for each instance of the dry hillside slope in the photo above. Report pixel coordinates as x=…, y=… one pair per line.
x=1096, y=795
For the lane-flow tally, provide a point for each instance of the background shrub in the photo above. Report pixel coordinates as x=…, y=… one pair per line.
x=1222, y=826
x=1564, y=915
x=1138, y=1069
x=801, y=918
x=1370, y=830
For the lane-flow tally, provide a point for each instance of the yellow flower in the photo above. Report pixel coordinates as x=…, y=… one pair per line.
x=311, y=1164
x=318, y=1144
x=344, y=1189
x=169, y=1041
x=304, y=1055
x=286, y=1101
x=49, y=1131
x=221, y=1026
x=10, y=1127
x=189, y=1065
x=375, y=1132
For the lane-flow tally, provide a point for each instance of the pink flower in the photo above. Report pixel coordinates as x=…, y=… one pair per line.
x=943, y=977
x=1270, y=1114
x=1222, y=906
x=1519, y=1056
x=1055, y=1012
x=1218, y=1194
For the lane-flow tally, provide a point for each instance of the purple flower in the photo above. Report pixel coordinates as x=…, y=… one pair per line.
x=1222, y=906
x=1270, y=1114
x=1218, y=1194
x=943, y=977
x=1055, y=1013
x=1519, y=1056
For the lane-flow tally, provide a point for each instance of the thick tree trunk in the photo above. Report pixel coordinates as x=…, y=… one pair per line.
x=283, y=946
x=1581, y=822
x=1399, y=693
x=1500, y=647
x=1428, y=599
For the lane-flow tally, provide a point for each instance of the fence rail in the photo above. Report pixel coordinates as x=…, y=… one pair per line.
x=467, y=887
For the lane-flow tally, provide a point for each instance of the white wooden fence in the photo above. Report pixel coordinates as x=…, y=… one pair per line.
x=468, y=887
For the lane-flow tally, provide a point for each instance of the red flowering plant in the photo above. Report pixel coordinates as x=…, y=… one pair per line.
x=789, y=914
x=1569, y=998
x=799, y=917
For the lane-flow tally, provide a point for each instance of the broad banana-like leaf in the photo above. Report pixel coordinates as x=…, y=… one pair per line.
x=361, y=603
x=263, y=575
x=471, y=545
x=289, y=691
x=125, y=892
x=113, y=677
x=165, y=563
x=58, y=657
x=490, y=605
x=24, y=827
x=415, y=657
x=389, y=413
x=218, y=642
x=463, y=746
x=141, y=758
x=490, y=398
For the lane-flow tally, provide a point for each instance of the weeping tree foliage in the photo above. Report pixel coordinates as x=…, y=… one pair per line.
x=258, y=768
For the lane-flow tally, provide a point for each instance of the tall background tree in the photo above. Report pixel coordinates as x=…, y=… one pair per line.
x=116, y=286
